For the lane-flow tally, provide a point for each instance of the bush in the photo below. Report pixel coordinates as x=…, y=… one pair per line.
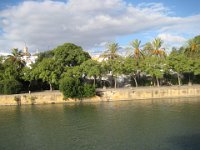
x=89, y=90
x=73, y=88
x=10, y=86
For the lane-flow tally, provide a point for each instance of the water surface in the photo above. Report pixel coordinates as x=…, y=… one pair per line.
x=172, y=124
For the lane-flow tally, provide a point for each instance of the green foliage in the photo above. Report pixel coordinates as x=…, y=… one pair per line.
x=177, y=62
x=74, y=66
x=47, y=71
x=70, y=54
x=91, y=68
x=116, y=66
x=11, y=70
x=88, y=90
x=105, y=68
x=197, y=67
x=193, y=47
x=16, y=59
x=73, y=88
x=46, y=54
x=130, y=66
x=74, y=72
x=27, y=74
x=154, y=66
x=10, y=86
x=70, y=87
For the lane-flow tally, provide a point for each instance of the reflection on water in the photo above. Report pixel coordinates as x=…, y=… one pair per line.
x=139, y=125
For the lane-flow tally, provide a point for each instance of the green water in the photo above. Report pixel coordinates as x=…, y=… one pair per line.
x=127, y=125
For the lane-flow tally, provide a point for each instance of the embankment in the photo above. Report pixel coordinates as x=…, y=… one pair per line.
x=104, y=95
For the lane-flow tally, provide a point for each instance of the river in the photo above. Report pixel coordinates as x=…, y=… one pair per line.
x=171, y=124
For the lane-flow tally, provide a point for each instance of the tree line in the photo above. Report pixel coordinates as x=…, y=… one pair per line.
x=72, y=70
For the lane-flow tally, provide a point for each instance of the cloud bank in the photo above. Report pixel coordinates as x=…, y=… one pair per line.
x=45, y=24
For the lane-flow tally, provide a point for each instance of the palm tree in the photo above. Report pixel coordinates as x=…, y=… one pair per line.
x=137, y=54
x=136, y=46
x=111, y=52
x=192, y=51
x=16, y=58
x=192, y=48
x=157, y=44
x=148, y=48
x=111, y=55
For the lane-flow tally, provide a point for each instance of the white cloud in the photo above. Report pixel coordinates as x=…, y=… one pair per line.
x=46, y=24
x=172, y=38
x=187, y=25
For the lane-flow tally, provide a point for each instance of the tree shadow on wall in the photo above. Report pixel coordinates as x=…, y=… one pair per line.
x=186, y=142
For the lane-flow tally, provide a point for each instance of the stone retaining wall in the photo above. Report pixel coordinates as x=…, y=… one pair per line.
x=104, y=95
x=150, y=93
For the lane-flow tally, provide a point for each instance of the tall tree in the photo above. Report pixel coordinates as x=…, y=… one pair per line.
x=91, y=68
x=155, y=67
x=130, y=67
x=116, y=68
x=70, y=54
x=177, y=64
x=27, y=75
x=47, y=71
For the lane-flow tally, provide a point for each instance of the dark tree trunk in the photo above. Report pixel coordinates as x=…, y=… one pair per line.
x=94, y=83
x=29, y=87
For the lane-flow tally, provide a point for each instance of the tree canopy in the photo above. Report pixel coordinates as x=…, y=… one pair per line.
x=69, y=68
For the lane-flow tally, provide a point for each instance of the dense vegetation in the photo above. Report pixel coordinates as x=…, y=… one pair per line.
x=72, y=71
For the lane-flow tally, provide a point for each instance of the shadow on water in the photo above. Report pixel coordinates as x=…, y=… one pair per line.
x=186, y=142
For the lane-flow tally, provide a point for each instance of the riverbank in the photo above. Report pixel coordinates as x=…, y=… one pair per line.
x=120, y=94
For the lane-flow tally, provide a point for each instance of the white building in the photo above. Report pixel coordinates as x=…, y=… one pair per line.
x=28, y=58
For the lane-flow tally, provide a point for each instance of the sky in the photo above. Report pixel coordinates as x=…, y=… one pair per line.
x=45, y=24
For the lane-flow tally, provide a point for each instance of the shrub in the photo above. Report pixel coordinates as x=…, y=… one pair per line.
x=89, y=90
x=10, y=86
x=73, y=88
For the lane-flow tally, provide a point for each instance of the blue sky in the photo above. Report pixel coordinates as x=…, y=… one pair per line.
x=179, y=7
x=44, y=24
